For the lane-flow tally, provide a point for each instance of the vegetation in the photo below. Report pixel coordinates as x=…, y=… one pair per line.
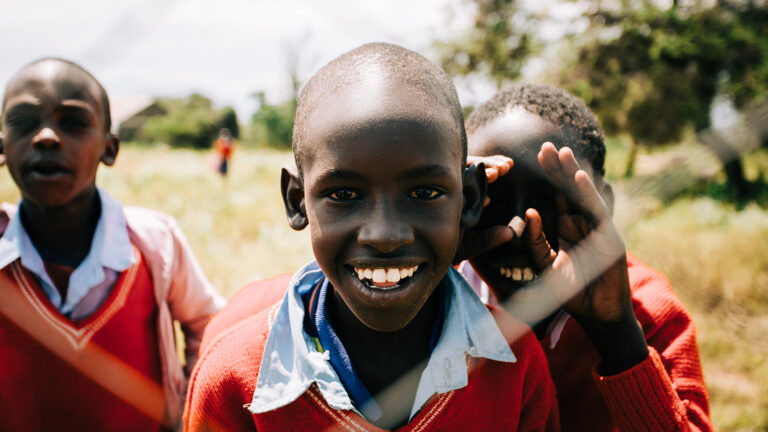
x=189, y=122
x=272, y=125
x=651, y=72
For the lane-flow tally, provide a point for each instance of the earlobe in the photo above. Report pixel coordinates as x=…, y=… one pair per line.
x=475, y=190
x=607, y=193
x=292, y=189
x=110, y=150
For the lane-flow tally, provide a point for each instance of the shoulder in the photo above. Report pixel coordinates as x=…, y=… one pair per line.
x=231, y=362
x=143, y=219
x=245, y=303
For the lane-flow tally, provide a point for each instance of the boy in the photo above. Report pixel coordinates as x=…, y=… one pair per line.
x=381, y=331
x=90, y=289
x=641, y=370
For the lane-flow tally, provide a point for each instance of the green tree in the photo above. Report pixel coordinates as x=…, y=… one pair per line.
x=189, y=122
x=272, y=125
x=229, y=120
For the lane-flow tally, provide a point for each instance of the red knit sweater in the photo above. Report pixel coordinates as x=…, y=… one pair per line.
x=102, y=373
x=664, y=393
x=499, y=396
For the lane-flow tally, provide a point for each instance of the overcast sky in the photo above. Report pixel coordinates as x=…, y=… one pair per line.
x=224, y=49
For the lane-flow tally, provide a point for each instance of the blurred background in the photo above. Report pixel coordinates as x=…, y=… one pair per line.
x=680, y=88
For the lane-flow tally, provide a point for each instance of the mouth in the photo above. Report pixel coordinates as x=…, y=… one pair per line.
x=47, y=169
x=384, y=278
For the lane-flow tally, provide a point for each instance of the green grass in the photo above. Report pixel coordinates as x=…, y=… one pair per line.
x=715, y=253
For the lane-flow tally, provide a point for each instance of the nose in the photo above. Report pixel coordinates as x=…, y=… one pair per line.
x=385, y=230
x=46, y=137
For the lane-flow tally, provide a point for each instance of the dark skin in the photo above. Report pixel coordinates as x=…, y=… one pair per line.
x=55, y=137
x=384, y=187
x=568, y=240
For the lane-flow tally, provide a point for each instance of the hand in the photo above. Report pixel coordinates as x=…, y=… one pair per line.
x=589, y=274
x=476, y=241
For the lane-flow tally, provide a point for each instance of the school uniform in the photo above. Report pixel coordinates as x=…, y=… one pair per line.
x=284, y=368
x=103, y=357
x=665, y=392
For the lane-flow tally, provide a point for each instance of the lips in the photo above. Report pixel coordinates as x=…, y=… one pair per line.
x=47, y=169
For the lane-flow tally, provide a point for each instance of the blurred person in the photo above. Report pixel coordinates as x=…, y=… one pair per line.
x=90, y=289
x=224, y=146
x=381, y=181
x=621, y=345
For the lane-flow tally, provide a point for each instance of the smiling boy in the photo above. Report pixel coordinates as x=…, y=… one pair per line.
x=621, y=346
x=89, y=289
x=381, y=331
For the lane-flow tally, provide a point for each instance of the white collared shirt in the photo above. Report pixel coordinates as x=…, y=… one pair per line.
x=111, y=252
x=291, y=362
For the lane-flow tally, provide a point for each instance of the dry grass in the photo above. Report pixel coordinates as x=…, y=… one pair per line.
x=715, y=255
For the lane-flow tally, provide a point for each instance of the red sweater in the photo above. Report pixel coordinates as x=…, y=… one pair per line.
x=664, y=393
x=499, y=396
x=102, y=373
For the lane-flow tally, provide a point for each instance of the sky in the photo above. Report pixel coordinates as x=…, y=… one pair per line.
x=224, y=49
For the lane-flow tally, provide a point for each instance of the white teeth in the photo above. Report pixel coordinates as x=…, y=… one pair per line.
x=527, y=274
x=382, y=275
x=379, y=275
x=517, y=273
x=393, y=275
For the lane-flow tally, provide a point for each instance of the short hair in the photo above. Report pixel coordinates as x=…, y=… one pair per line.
x=397, y=63
x=554, y=105
x=103, y=93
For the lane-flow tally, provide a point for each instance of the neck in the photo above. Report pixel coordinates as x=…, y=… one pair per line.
x=381, y=359
x=65, y=231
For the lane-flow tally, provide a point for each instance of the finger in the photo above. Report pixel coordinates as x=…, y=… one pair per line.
x=588, y=198
x=486, y=201
x=541, y=252
x=475, y=242
x=491, y=174
x=568, y=161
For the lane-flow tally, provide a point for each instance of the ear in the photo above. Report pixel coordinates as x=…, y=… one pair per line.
x=293, y=197
x=475, y=190
x=606, y=191
x=112, y=146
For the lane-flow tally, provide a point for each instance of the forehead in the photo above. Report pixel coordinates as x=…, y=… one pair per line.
x=378, y=111
x=52, y=82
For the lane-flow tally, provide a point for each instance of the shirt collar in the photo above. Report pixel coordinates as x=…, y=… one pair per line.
x=111, y=229
x=291, y=362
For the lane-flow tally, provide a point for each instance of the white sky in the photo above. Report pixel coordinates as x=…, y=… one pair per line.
x=224, y=49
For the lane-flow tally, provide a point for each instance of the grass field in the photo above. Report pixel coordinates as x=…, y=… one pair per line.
x=715, y=254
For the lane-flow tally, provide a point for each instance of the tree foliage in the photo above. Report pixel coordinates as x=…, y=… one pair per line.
x=189, y=122
x=272, y=125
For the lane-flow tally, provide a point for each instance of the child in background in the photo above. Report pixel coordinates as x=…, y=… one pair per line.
x=224, y=146
x=622, y=352
x=381, y=331
x=89, y=289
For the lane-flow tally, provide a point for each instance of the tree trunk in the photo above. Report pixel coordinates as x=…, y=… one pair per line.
x=731, y=161
x=629, y=168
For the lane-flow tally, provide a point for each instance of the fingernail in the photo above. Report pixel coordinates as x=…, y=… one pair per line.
x=518, y=225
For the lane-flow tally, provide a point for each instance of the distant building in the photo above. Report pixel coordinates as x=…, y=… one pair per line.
x=130, y=114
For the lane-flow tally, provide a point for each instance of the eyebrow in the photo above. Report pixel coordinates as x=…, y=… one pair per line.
x=428, y=171
x=337, y=173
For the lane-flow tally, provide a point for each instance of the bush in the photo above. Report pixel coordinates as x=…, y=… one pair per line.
x=189, y=122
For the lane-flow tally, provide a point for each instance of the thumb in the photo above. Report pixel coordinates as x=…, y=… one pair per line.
x=542, y=253
x=475, y=242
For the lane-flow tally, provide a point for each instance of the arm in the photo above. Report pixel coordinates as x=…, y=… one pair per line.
x=191, y=297
x=669, y=382
x=589, y=276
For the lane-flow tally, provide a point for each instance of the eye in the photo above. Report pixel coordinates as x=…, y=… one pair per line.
x=341, y=195
x=424, y=193
x=74, y=122
x=22, y=124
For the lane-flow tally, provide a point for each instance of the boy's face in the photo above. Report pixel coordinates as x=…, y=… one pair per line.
x=517, y=134
x=54, y=133
x=383, y=192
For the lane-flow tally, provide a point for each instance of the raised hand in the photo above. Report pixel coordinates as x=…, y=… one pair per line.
x=588, y=274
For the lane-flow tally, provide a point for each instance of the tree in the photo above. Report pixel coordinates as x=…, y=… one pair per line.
x=273, y=124
x=229, y=120
x=650, y=71
x=189, y=122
